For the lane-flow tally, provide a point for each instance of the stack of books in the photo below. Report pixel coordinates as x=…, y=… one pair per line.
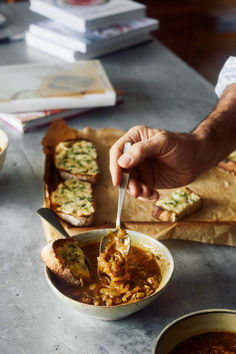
x=86, y=29
x=43, y=92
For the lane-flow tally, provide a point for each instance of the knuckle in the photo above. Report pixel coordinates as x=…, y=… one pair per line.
x=164, y=135
x=138, y=149
x=135, y=128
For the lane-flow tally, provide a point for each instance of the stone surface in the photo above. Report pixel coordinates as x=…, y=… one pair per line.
x=160, y=91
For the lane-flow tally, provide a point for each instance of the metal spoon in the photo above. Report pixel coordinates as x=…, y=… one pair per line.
x=121, y=197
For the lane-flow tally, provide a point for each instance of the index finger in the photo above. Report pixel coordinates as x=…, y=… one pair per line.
x=115, y=152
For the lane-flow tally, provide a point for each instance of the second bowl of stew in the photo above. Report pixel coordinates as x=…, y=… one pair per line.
x=211, y=331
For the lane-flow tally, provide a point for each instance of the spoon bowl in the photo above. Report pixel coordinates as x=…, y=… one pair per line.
x=123, y=247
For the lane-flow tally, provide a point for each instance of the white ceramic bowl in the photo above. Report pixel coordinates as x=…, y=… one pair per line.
x=117, y=312
x=193, y=324
x=3, y=147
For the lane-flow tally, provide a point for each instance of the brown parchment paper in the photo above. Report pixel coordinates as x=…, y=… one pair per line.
x=214, y=223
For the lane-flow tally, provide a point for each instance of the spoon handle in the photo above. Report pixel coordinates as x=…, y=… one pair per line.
x=122, y=189
x=52, y=219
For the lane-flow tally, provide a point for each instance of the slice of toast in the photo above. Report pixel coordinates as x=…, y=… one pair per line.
x=73, y=202
x=183, y=201
x=77, y=159
x=229, y=164
x=65, y=258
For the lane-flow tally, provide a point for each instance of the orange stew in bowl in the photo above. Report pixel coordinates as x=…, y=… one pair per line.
x=118, y=279
x=207, y=343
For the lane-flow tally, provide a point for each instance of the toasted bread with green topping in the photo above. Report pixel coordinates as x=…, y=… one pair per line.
x=65, y=258
x=183, y=201
x=77, y=159
x=73, y=202
x=229, y=164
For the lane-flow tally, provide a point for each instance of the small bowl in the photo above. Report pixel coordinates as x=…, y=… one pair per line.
x=110, y=313
x=3, y=147
x=195, y=323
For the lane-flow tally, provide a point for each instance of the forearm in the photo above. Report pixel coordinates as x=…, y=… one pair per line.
x=216, y=135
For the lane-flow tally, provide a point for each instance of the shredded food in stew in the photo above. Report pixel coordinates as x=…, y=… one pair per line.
x=115, y=278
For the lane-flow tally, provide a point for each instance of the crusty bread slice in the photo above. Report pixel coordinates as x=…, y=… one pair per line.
x=78, y=221
x=182, y=201
x=73, y=202
x=229, y=164
x=65, y=258
x=77, y=159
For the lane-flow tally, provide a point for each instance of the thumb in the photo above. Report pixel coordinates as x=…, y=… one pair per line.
x=140, y=151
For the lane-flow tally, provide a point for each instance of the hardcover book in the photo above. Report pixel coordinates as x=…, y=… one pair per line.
x=93, y=40
x=71, y=55
x=27, y=121
x=91, y=16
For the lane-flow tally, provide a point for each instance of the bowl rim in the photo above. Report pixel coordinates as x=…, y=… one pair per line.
x=186, y=316
x=2, y=132
x=47, y=271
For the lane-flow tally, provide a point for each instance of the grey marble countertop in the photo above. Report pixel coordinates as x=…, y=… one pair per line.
x=160, y=91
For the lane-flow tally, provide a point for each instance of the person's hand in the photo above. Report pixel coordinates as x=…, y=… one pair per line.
x=158, y=158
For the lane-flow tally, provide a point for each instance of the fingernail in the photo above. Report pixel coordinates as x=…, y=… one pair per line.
x=113, y=181
x=125, y=160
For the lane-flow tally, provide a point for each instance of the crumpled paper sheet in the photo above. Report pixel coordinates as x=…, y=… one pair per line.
x=214, y=223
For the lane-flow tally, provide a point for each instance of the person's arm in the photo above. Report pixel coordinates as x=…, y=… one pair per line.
x=218, y=131
x=162, y=159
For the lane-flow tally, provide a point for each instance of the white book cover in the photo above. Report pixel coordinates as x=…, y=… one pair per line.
x=89, y=41
x=31, y=87
x=92, y=15
x=71, y=55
